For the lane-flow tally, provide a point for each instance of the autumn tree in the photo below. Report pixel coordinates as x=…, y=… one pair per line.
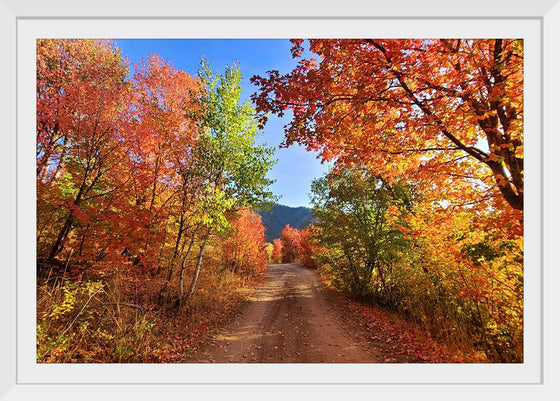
x=167, y=186
x=232, y=166
x=269, y=248
x=291, y=247
x=307, y=249
x=244, y=249
x=438, y=111
x=83, y=123
x=277, y=250
x=112, y=156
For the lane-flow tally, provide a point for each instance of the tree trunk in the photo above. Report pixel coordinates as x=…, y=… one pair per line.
x=381, y=276
x=184, y=264
x=61, y=236
x=172, y=262
x=507, y=188
x=67, y=227
x=198, y=264
x=83, y=240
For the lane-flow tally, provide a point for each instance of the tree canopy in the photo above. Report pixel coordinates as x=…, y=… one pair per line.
x=438, y=111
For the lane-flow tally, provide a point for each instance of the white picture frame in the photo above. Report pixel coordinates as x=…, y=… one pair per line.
x=20, y=381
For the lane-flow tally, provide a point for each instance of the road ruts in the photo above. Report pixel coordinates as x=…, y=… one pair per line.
x=288, y=320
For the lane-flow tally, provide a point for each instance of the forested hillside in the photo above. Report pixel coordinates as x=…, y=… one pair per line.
x=279, y=216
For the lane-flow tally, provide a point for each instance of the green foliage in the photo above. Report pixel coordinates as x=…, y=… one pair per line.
x=78, y=322
x=67, y=318
x=229, y=158
x=352, y=208
x=378, y=243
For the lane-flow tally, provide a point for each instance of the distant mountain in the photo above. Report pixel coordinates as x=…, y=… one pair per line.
x=279, y=215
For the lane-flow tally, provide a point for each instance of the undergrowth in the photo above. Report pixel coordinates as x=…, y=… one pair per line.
x=97, y=320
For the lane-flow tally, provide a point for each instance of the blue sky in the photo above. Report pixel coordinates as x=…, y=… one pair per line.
x=296, y=167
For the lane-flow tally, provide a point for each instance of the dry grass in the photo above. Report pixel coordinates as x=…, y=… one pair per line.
x=397, y=338
x=98, y=321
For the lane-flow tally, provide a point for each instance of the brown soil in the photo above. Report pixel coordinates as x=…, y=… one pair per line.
x=292, y=318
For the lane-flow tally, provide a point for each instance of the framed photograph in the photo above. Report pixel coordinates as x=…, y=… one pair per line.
x=236, y=199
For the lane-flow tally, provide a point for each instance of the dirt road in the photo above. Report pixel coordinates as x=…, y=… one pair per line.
x=288, y=320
